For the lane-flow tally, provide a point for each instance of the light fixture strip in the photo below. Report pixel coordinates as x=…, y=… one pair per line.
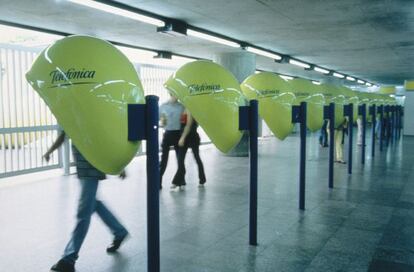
x=181, y=58
x=350, y=78
x=360, y=81
x=338, y=75
x=286, y=77
x=130, y=50
x=263, y=53
x=321, y=70
x=368, y=84
x=212, y=38
x=299, y=63
x=316, y=82
x=120, y=12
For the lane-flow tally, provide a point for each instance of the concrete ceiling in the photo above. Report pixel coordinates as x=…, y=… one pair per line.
x=368, y=39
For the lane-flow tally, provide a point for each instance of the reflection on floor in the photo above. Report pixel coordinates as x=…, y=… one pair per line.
x=365, y=223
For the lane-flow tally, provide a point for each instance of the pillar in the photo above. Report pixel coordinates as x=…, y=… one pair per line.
x=242, y=65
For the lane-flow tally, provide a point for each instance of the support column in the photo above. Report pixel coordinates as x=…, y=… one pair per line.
x=242, y=65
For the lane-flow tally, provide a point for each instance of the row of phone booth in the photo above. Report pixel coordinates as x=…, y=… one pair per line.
x=106, y=113
x=389, y=116
x=368, y=111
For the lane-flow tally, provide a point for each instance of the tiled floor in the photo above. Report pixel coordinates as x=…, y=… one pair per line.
x=366, y=223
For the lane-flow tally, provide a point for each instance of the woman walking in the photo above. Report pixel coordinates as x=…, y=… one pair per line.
x=189, y=139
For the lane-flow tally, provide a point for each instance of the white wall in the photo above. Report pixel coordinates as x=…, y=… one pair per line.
x=409, y=113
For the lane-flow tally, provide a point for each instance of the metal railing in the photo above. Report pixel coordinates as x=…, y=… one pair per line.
x=27, y=127
x=23, y=148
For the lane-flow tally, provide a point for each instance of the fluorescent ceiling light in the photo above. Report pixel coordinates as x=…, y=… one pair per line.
x=286, y=77
x=316, y=82
x=338, y=75
x=120, y=12
x=182, y=59
x=360, y=81
x=211, y=38
x=350, y=78
x=321, y=70
x=368, y=84
x=299, y=63
x=263, y=53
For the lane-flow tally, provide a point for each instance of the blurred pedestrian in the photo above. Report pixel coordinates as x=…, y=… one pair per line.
x=89, y=178
x=323, y=136
x=339, y=141
x=170, y=114
x=189, y=139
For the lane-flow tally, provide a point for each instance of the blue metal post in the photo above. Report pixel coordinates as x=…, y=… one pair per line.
x=303, y=117
x=374, y=122
x=299, y=116
x=302, y=164
x=395, y=122
x=388, y=123
x=331, y=144
x=153, y=184
x=253, y=134
x=400, y=120
x=398, y=117
x=248, y=120
x=381, y=120
x=363, y=113
x=350, y=114
x=302, y=173
x=143, y=124
x=392, y=122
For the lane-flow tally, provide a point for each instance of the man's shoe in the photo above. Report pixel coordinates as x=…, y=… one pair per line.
x=63, y=266
x=116, y=244
x=201, y=183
